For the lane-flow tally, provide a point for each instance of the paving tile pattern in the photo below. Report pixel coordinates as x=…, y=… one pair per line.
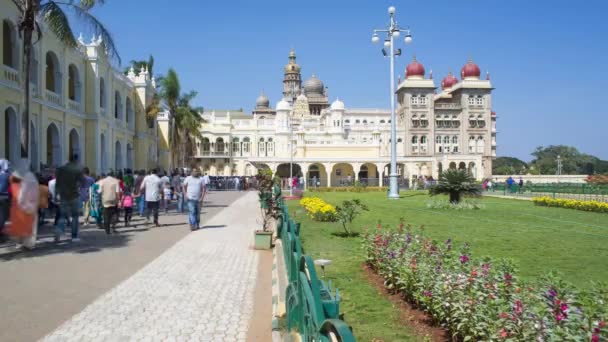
x=201, y=289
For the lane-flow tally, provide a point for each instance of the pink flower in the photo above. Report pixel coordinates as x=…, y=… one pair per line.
x=503, y=333
x=559, y=317
x=464, y=259
x=595, y=338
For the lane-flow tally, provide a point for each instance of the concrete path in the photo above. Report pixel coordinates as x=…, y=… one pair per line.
x=201, y=289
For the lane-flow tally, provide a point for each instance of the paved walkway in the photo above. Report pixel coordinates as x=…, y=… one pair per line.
x=201, y=289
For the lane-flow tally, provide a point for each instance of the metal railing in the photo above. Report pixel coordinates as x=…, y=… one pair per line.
x=312, y=311
x=584, y=192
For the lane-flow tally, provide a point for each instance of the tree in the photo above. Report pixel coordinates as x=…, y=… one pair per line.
x=573, y=161
x=138, y=65
x=456, y=183
x=35, y=13
x=509, y=166
x=184, y=120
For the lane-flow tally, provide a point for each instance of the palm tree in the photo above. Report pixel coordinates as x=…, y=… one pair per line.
x=184, y=120
x=35, y=13
x=137, y=65
x=456, y=183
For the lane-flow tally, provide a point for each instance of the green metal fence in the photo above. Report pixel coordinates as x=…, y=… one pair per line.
x=312, y=310
x=588, y=192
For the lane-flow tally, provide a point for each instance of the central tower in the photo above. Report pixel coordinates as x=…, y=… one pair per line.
x=292, y=82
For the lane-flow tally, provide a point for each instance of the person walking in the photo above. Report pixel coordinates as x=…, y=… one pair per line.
x=69, y=181
x=5, y=201
x=206, y=181
x=23, y=224
x=138, y=194
x=521, y=184
x=109, y=188
x=43, y=202
x=194, y=188
x=95, y=205
x=237, y=184
x=153, y=194
x=176, y=184
x=127, y=205
x=84, y=194
x=167, y=194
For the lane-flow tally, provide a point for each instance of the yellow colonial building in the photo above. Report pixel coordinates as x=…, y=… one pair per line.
x=80, y=104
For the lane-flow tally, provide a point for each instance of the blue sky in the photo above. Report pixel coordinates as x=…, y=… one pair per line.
x=547, y=59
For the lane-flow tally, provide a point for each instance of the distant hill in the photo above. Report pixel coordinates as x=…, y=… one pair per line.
x=545, y=162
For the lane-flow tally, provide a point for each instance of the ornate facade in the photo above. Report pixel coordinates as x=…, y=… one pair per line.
x=80, y=104
x=453, y=127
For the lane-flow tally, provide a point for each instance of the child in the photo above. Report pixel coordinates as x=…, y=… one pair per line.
x=167, y=193
x=127, y=205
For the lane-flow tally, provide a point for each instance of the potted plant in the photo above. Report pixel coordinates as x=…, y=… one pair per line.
x=269, y=206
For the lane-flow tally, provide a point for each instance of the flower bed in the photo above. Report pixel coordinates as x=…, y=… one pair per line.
x=483, y=299
x=319, y=210
x=596, y=206
x=349, y=189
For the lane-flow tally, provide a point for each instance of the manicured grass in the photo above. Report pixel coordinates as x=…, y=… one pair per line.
x=538, y=239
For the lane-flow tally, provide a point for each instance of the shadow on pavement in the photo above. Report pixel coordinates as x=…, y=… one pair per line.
x=214, y=226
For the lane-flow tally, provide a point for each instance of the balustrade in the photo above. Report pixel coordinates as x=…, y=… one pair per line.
x=53, y=97
x=11, y=75
x=74, y=106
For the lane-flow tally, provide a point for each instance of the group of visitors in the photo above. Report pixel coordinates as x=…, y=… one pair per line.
x=70, y=191
x=511, y=184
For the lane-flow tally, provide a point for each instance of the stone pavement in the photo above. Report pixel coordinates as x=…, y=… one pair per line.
x=201, y=289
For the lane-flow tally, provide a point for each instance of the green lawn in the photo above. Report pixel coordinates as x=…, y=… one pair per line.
x=538, y=239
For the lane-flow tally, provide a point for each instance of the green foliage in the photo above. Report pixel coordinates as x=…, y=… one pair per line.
x=483, y=299
x=445, y=204
x=509, y=166
x=573, y=161
x=269, y=198
x=347, y=212
x=349, y=189
x=456, y=183
x=538, y=239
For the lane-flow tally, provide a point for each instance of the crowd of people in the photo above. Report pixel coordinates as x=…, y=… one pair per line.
x=70, y=192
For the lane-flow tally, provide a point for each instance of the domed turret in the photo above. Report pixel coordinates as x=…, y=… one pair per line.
x=262, y=102
x=470, y=71
x=449, y=81
x=414, y=69
x=283, y=105
x=337, y=105
x=292, y=66
x=313, y=85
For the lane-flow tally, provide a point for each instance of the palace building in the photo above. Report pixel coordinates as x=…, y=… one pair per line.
x=437, y=129
x=80, y=104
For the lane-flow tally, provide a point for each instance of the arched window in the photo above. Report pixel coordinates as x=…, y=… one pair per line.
x=382, y=121
x=455, y=140
x=9, y=45
x=130, y=119
x=357, y=121
x=73, y=83
x=53, y=76
x=346, y=121
x=364, y=121
x=236, y=145
x=423, y=139
x=102, y=93
x=246, y=143
x=438, y=139
x=414, y=139
x=219, y=145
x=205, y=144
x=399, y=140
x=117, y=105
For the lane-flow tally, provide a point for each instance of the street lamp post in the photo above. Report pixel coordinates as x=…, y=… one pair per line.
x=559, y=165
x=392, y=32
x=290, y=183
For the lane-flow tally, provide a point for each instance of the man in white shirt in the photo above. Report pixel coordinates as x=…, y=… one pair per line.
x=152, y=195
x=206, y=181
x=194, y=190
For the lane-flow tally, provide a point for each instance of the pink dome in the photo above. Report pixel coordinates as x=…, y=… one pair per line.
x=470, y=70
x=414, y=69
x=449, y=81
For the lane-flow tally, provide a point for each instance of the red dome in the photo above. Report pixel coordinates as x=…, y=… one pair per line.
x=449, y=81
x=470, y=70
x=414, y=69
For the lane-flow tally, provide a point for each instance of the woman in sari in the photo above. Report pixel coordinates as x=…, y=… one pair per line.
x=95, y=202
x=23, y=225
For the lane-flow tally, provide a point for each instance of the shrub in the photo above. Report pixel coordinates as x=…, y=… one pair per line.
x=456, y=183
x=347, y=212
x=319, y=210
x=444, y=204
x=350, y=189
x=484, y=300
x=596, y=206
